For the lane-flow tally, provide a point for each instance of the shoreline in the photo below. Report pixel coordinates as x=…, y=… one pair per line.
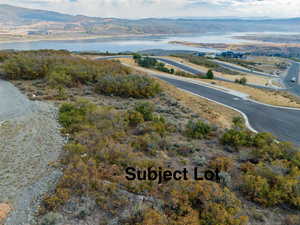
x=223, y=46
x=74, y=38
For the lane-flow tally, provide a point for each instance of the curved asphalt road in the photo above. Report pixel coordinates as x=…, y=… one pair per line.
x=284, y=123
x=294, y=71
x=199, y=72
x=189, y=69
x=12, y=102
x=241, y=69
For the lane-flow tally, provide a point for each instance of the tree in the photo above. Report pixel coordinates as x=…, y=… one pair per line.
x=137, y=57
x=210, y=74
x=243, y=80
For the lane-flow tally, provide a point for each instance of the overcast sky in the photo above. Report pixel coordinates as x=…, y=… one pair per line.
x=167, y=8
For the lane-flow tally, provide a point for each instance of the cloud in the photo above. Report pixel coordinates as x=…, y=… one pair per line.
x=167, y=8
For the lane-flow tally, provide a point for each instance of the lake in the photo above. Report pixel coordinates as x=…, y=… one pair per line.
x=116, y=45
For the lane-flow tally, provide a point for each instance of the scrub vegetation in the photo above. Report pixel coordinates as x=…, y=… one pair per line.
x=152, y=63
x=114, y=119
x=62, y=70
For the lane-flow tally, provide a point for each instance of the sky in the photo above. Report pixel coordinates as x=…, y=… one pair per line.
x=167, y=8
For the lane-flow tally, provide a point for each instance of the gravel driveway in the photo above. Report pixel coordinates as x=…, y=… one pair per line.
x=29, y=140
x=12, y=102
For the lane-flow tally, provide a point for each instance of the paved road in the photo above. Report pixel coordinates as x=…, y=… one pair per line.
x=200, y=72
x=189, y=69
x=12, y=102
x=182, y=66
x=294, y=71
x=283, y=123
x=241, y=69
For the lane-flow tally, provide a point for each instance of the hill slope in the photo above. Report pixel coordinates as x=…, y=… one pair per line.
x=20, y=16
x=11, y=16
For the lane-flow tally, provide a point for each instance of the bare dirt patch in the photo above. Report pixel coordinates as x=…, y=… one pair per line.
x=29, y=144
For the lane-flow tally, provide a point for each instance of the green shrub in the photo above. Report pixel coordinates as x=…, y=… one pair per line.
x=242, y=81
x=135, y=86
x=146, y=109
x=149, y=127
x=59, y=68
x=210, y=74
x=151, y=63
x=72, y=114
x=147, y=143
x=5, y=55
x=214, y=204
x=238, y=122
x=222, y=163
x=26, y=66
x=197, y=129
x=263, y=139
x=146, y=62
x=137, y=57
x=158, y=126
x=134, y=118
x=237, y=138
x=61, y=93
x=59, y=77
x=256, y=188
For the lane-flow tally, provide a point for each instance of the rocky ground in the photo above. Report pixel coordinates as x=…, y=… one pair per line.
x=28, y=145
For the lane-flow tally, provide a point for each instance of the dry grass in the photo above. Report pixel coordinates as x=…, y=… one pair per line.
x=269, y=97
x=250, y=79
x=264, y=96
x=267, y=64
x=259, y=80
x=128, y=61
x=213, y=112
x=266, y=60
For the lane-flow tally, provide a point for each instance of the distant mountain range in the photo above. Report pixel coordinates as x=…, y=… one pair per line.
x=41, y=21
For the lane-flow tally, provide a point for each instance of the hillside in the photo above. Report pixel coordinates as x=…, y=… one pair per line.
x=21, y=16
x=34, y=22
x=120, y=124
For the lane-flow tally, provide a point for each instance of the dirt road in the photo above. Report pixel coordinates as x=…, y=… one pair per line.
x=12, y=102
x=29, y=140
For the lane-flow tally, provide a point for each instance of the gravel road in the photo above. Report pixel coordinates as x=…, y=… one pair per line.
x=29, y=140
x=12, y=102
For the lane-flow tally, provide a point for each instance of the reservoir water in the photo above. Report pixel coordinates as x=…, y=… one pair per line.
x=123, y=44
x=115, y=45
